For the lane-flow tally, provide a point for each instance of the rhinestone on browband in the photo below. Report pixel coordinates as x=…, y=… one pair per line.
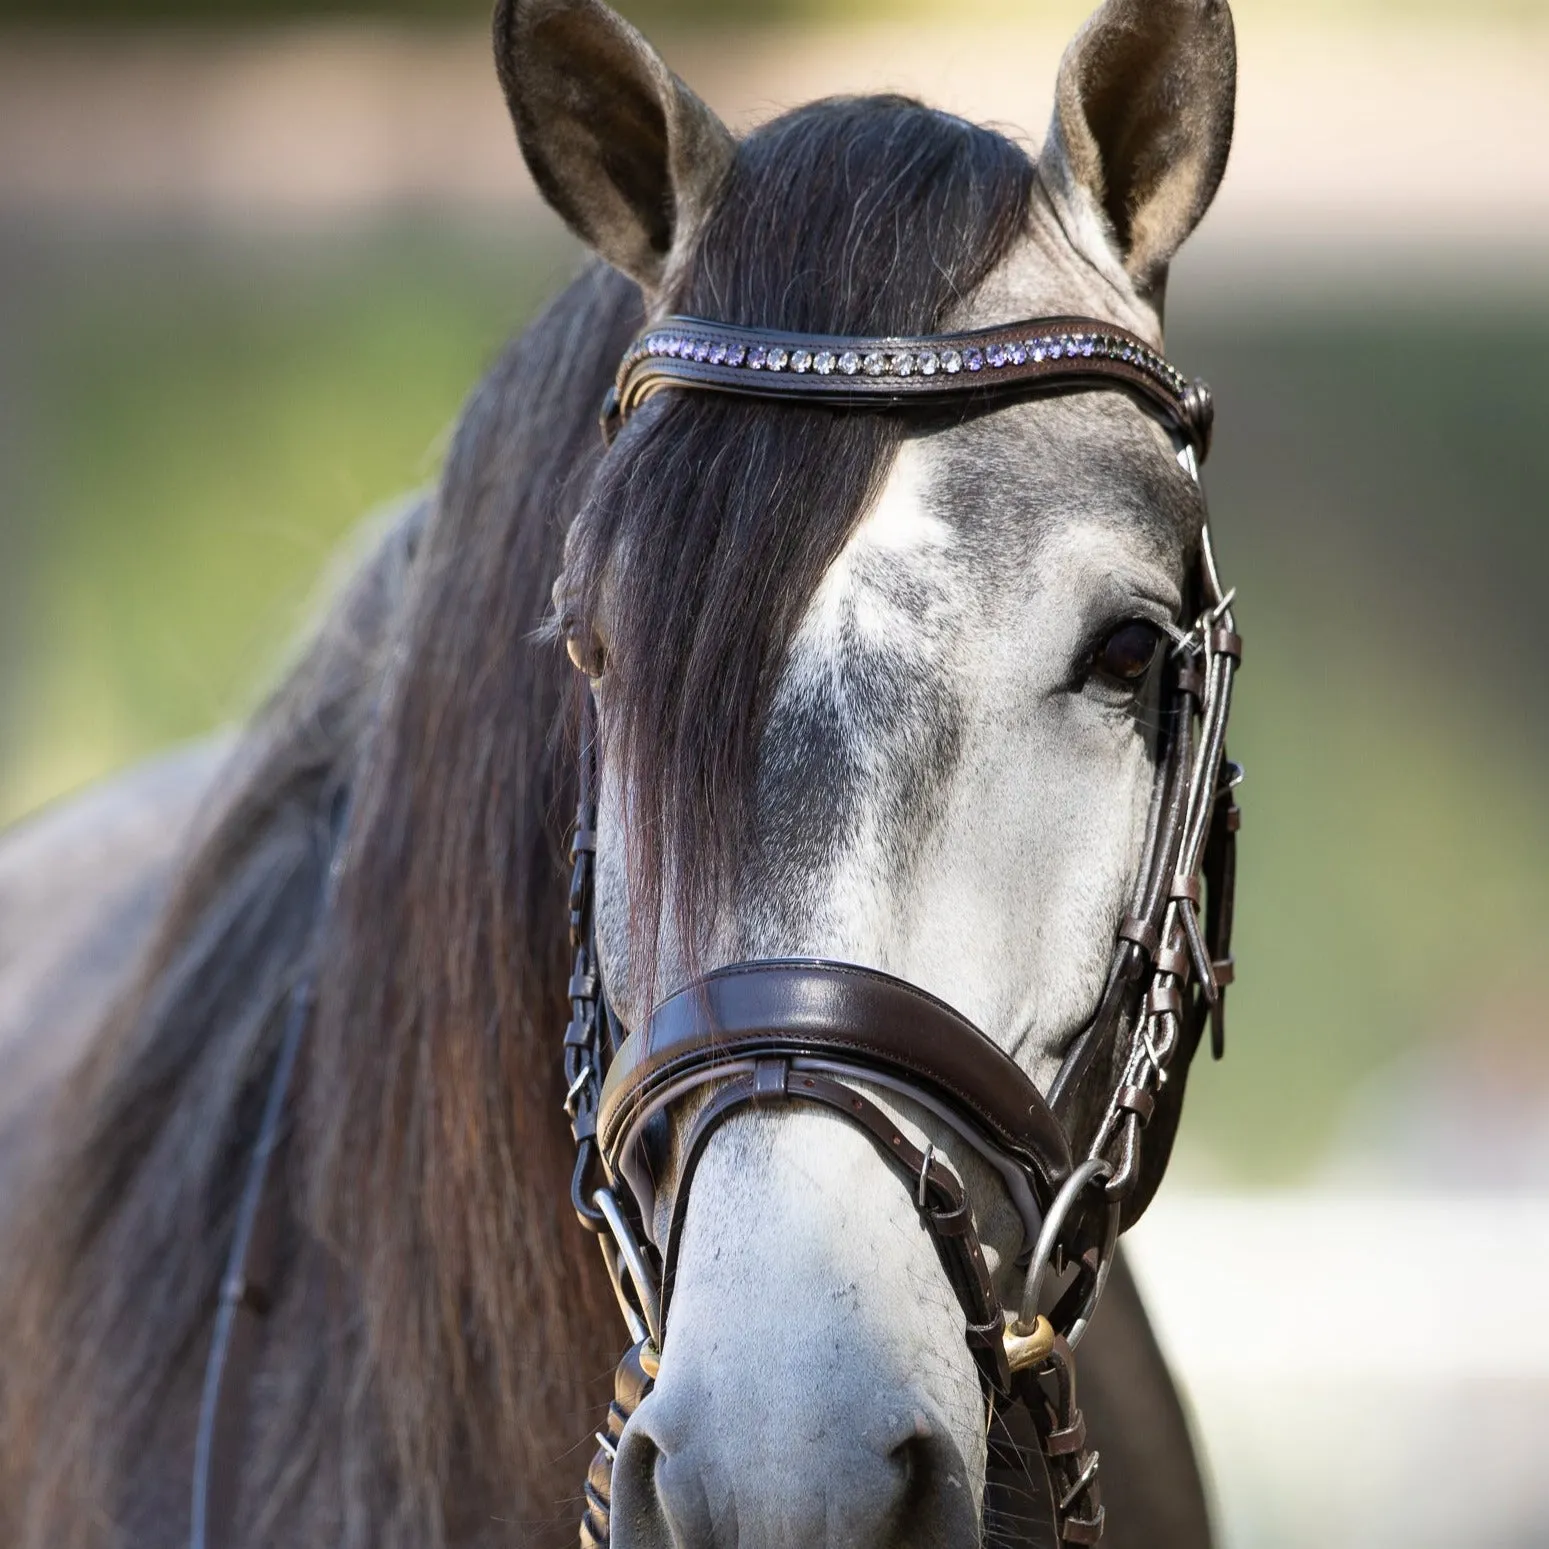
x=904, y=363
x=1043, y=352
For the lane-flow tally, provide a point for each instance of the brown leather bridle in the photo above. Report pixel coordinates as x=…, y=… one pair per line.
x=836, y=1035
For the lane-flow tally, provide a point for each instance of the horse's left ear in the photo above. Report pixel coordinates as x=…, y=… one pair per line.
x=1142, y=125
x=617, y=144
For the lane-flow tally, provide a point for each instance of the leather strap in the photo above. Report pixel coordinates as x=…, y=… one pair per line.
x=1140, y=936
x=250, y=1297
x=1036, y=354
x=864, y=1018
x=631, y=1382
x=246, y=1293
x=934, y=1187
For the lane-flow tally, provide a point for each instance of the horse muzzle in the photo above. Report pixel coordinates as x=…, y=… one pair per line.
x=814, y=1389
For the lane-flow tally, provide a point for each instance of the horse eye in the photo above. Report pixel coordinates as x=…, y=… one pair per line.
x=1128, y=652
x=584, y=646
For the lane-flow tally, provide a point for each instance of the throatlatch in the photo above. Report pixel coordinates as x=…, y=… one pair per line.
x=841, y=1036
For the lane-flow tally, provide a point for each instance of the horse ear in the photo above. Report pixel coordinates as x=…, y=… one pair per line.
x=1142, y=125
x=629, y=157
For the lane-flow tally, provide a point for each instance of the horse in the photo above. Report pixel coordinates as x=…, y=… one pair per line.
x=890, y=689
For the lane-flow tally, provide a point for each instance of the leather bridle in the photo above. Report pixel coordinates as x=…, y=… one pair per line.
x=837, y=1036
x=845, y=1038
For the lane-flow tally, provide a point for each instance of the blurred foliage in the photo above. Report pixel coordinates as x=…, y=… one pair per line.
x=205, y=421
x=204, y=432
x=1378, y=485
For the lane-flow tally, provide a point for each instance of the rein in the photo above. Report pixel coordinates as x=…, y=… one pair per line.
x=831, y=1034
x=817, y=1032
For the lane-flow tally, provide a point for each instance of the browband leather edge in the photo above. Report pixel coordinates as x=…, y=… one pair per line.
x=1050, y=352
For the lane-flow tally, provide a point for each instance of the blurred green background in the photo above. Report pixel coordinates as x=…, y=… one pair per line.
x=194, y=416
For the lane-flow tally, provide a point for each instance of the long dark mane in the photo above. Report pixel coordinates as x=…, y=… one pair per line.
x=444, y=1334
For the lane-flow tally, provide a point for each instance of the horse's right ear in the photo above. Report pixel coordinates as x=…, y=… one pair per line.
x=618, y=145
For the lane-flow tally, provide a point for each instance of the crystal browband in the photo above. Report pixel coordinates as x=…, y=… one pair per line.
x=1049, y=352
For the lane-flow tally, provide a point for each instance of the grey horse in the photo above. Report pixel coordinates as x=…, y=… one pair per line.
x=855, y=701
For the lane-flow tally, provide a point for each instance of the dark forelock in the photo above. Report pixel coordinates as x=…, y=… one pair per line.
x=715, y=519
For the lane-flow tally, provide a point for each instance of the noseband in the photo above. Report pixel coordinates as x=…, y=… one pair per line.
x=836, y=1036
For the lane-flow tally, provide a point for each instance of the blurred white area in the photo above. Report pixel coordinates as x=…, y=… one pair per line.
x=1365, y=1368
x=1351, y=133
x=1470, y=1114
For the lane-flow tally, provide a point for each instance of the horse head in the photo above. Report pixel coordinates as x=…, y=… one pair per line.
x=882, y=689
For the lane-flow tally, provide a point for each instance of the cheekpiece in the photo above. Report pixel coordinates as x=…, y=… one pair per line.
x=1038, y=354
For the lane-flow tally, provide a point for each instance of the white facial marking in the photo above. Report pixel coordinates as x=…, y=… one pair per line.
x=900, y=541
x=1002, y=893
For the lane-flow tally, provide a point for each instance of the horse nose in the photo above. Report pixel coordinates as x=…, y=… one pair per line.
x=684, y=1481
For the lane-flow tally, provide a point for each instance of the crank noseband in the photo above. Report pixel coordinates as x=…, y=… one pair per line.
x=844, y=1039
x=828, y=1035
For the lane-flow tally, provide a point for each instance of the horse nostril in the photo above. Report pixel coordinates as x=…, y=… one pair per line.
x=656, y=1496
x=688, y=1477
x=921, y=1466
